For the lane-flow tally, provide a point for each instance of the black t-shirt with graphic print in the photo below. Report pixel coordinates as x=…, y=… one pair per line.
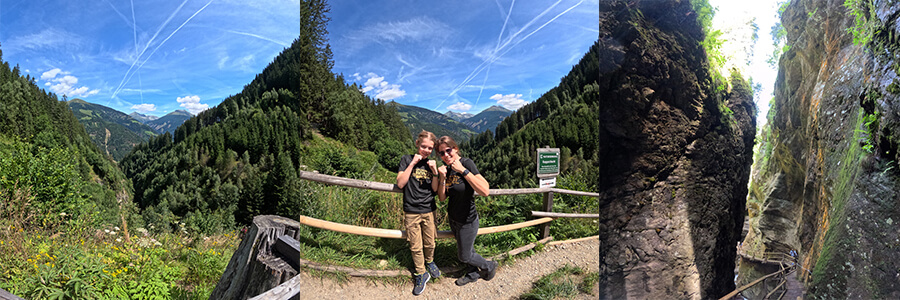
x=461, y=194
x=418, y=198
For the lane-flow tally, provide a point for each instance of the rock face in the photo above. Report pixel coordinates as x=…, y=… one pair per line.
x=826, y=180
x=677, y=155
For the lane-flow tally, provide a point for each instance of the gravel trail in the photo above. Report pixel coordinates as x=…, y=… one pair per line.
x=511, y=281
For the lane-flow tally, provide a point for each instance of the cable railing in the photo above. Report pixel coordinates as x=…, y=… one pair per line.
x=274, y=249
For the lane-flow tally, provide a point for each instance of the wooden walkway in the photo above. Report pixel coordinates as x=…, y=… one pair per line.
x=788, y=286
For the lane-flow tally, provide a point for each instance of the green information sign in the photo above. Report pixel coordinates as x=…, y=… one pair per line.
x=547, y=162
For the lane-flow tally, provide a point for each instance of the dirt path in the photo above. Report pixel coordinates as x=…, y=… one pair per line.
x=511, y=281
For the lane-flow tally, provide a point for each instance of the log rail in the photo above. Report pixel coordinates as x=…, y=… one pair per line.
x=266, y=263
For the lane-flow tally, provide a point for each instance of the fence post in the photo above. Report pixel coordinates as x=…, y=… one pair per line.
x=548, y=207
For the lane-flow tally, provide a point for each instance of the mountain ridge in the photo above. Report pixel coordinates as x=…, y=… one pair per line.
x=112, y=131
x=142, y=117
x=488, y=119
x=458, y=116
x=170, y=121
x=417, y=119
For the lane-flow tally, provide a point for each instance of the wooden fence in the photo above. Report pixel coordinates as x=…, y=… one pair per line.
x=264, y=266
x=393, y=188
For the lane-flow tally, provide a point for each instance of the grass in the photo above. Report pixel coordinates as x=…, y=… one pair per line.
x=565, y=282
x=101, y=264
x=91, y=259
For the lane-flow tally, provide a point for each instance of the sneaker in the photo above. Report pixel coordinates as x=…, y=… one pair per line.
x=464, y=280
x=421, y=280
x=433, y=269
x=493, y=271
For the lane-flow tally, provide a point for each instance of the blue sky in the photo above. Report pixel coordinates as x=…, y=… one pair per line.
x=732, y=18
x=158, y=56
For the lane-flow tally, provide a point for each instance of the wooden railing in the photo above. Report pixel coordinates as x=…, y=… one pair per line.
x=272, y=240
x=393, y=188
x=786, y=262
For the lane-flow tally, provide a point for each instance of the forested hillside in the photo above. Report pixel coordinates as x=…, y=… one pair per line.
x=565, y=117
x=417, y=119
x=240, y=158
x=48, y=160
x=114, y=132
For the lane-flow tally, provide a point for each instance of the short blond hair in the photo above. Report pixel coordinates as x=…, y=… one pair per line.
x=425, y=135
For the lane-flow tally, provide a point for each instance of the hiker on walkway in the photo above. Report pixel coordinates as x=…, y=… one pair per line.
x=417, y=178
x=461, y=181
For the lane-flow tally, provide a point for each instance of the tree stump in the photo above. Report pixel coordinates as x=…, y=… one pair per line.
x=255, y=266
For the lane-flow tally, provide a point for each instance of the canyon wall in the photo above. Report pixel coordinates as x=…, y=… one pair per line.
x=676, y=149
x=825, y=180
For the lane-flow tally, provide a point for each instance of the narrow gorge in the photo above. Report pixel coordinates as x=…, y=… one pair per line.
x=678, y=141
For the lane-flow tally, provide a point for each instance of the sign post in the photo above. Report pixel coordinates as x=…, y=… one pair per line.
x=547, y=162
x=547, y=169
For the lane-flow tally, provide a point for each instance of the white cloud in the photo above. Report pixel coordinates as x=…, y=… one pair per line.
x=383, y=89
x=144, y=108
x=460, y=106
x=50, y=74
x=192, y=104
x=65, y=85
x=511, y=101
x=391, y=93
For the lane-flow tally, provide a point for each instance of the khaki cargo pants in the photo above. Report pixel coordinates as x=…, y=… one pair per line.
x=420, y=232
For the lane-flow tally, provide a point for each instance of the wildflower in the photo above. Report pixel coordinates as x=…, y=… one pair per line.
x=116, y=228
x=106, y=230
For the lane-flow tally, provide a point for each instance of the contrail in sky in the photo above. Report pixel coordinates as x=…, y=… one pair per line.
x=170, y=36
x=122, y=83
x=140, y=82
x=506, y=49
x=499, y=38
x=258, y=36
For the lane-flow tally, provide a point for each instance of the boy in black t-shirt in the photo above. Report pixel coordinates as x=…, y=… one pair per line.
x=417, y=178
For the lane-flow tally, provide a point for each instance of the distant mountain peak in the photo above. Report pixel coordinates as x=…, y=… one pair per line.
x=77, y=100
x=488, y=119
x=180, y=112
x=142, y=117
x=497, y=108
x=458, y=116
x=170, y=121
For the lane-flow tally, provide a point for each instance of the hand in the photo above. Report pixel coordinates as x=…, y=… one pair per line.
x=433, y=166
x=416, y=159
x=457, y=166
x=442, y=171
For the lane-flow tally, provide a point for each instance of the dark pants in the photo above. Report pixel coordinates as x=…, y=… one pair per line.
x=465, y=247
